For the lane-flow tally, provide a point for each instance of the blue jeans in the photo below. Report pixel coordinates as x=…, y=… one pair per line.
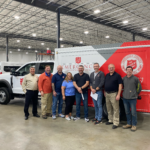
x=131, y=114
x=98, y=105
x=85, y=103
x=56, y=98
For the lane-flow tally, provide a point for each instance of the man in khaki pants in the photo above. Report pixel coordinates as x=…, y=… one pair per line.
x=113, y=87
x=45, y=88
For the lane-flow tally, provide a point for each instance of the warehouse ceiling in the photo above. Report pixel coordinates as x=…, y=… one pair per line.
x=32, y=24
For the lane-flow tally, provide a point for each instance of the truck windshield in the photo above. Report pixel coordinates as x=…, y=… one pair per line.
x=42, y=67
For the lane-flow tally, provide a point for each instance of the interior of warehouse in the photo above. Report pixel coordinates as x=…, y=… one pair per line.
x=35, y=34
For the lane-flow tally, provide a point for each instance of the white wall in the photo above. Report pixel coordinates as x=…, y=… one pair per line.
x=20, y=57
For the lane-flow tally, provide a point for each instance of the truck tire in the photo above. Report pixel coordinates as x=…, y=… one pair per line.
x=4, y=96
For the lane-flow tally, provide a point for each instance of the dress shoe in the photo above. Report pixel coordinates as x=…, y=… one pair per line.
x=114, y=127
x=49, y=115
x=108, y=123
x=36, y=115
x=26, y=118
x=44, y=117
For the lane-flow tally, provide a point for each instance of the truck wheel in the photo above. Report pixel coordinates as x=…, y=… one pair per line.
x=4, y=96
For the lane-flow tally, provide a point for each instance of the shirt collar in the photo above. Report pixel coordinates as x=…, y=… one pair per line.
x=112, y=74
x=129, y=77
x=48, y=75
x=61, y=74
x=32, y=75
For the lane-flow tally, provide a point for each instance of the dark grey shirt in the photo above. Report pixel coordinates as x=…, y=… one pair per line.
x=132, y=87
x=98, y=80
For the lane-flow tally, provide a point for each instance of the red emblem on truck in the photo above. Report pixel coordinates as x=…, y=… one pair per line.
x=21, y=80
x=132, y=63
x=78, y=60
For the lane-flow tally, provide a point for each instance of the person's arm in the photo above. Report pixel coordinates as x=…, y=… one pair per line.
x=119, y=88
x=53, y=86
x=102, y=80
x=24, y=85
x=87, y=82
x=40, y=85
x=138, y=86
x=63, y=87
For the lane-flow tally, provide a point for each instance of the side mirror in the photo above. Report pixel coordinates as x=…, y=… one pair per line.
x=14, y=73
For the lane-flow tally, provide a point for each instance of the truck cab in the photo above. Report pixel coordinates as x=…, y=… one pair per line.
x=10, y=83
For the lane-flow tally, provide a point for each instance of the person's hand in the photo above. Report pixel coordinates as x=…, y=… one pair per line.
x=64, y=97
x=54, y=93
x=104, y=94
x=79, y=90
x=93, y=91
x=97, y=88
x=118, y=97
x=42, y=93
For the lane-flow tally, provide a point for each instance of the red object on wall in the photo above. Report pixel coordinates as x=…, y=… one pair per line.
x=48, y=51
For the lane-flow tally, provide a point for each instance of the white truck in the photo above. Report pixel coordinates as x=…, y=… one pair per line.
x=135, y=54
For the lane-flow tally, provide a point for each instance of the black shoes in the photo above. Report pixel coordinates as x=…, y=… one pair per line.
x=114, y=127
x=108, y=123
x=26, y=118
x=44, y=117
x=36, y=115
x=97, y=122
x=94, y=120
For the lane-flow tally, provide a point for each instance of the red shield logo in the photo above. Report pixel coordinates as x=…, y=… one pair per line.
x=132, y=63
x=21, y=80
x=78, y=60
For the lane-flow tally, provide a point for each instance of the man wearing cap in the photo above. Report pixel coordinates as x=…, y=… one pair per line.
x=30, y=88
x=132, y=88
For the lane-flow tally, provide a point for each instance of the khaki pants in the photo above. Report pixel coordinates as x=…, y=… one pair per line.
x=46, y=103
x=112, y=108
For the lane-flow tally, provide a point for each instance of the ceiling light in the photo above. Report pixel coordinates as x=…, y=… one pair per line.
x=86, y=32
x=125, y=22
x=47, y=48
x=107, y=36
x=18, y=49
x=42, y=43
x=144, y=29
x=96, y=11
x=34, y=34
x=17, y=17
x=10, y=51
x=18, y=41
x=36, y=51
x=29, y=46
x=61, y=39
x=56, y=26
x=81, y=42
x=62, y=45
x=26, y=52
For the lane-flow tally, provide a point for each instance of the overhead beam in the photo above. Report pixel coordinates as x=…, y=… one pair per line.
x=4, y=35
x=64, y=10
x=7, y=49
x=58, y=28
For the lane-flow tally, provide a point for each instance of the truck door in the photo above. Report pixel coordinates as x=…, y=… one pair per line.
x=17, y=80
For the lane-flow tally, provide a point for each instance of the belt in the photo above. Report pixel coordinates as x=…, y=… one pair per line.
x=111, y=92
x=32, y=90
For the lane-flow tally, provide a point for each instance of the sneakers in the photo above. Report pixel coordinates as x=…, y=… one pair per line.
x=60, y=115
x=71, y=117
x=97, y=122
x=87, y=120
x=67, y=118
x=133, y=128
x=54, y=117
x=77, y=118
x=108, y=123
x=126, y=126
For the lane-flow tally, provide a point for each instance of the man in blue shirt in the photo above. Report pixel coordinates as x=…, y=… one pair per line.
x=57, y=80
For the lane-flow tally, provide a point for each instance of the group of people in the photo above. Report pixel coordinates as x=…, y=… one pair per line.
x=58, y=87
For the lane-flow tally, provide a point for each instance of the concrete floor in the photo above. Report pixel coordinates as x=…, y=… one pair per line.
x=59, y=134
